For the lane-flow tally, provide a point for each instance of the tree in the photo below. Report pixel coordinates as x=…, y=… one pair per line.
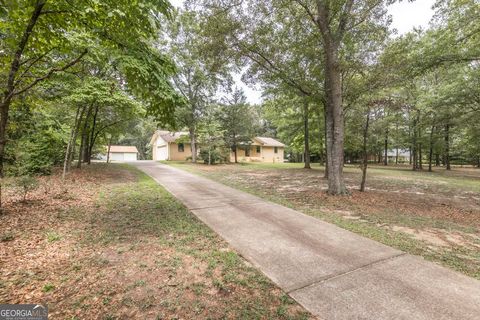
x=41, y=39
x=237, y=121
x=197, y=77
x=210, y=138
x=339, y=22
x=299, y=44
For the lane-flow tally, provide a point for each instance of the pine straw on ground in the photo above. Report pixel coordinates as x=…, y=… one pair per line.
x=109, y=243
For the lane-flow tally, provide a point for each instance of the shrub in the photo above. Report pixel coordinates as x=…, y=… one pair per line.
x=215, y=156
x=26, y=184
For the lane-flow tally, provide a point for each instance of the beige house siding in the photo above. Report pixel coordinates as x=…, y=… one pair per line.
x=269, y=154
x=177, y=155
x=266, y=154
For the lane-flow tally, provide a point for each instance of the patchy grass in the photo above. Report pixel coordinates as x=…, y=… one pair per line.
x=52, y=236
x=110, y=243
x=434, y=215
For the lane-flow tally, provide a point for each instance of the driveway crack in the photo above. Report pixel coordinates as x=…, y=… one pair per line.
x=341, y=274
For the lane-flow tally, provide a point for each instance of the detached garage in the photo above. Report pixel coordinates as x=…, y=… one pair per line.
x=123, y=153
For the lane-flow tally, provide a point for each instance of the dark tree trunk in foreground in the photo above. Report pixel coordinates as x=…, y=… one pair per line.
x=332, y=38
x=447, y=146
x=365, y=154
x=306, y=135
x=335, y=122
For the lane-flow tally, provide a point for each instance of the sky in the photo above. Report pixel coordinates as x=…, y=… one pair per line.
x=405, y=16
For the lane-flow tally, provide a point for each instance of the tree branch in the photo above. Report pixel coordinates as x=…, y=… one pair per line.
x=15, y=65
x=49, y=73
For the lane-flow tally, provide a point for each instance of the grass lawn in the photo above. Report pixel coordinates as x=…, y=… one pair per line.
x=434, y=215
x=110, y=243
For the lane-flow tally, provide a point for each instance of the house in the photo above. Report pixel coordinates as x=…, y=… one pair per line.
x=261, y=149
x=398, y=156
x=168, y=145
x=123, y=153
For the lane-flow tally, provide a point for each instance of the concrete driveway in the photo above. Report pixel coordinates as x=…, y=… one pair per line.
x=333, y=273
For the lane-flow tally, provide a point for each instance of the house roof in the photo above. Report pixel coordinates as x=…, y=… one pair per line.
x=269, y=142
x=168, y=136
x=120, y=149
x=173, y=136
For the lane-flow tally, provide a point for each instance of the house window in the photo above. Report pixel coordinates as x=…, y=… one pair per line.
x=275, y=149
x=247, y=152
x=258, y=149
x=181, y=147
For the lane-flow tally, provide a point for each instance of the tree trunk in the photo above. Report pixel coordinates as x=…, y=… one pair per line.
x=67, y=154
x=430, y=153
x=193, y=145
x=83, y=142
x=335, y=121
x=306, y=135
x=71, y=141
x=447, y=146
x=325, y=175
x=321, y=136
x=396, y=156
x=235, y=152
x=77, y=129
x=365, y=154
x=385, y=156
x=92, y=136
x=437, y=160
x=420, y=157
x=414, y=148
x=108, y=149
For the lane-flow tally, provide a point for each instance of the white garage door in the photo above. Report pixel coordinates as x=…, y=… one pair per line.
x=130, y=156
x=162, y=153
x=116, y=156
